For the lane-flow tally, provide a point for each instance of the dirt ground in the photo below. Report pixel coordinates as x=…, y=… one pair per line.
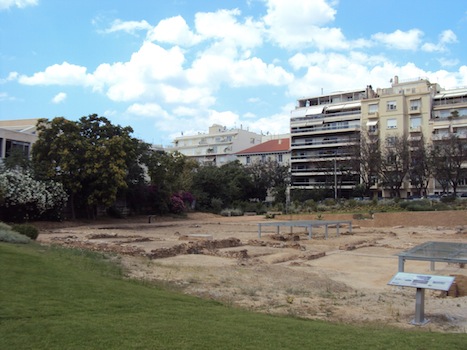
x=340, y=279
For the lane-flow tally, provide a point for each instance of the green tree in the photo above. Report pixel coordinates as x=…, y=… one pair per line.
x=226, y=184
x=89, y=157
x=269, y=177
x=170, y=173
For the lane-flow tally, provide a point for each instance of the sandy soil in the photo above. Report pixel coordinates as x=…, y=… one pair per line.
x=340, y=279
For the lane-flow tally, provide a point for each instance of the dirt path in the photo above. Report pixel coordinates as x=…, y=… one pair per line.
x=337, y=279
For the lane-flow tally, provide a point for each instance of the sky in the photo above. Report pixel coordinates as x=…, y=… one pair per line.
x=173, y=67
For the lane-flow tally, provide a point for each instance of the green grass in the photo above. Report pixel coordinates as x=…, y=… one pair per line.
x=53, y=298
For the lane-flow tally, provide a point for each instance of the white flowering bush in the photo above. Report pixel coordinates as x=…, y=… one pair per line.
x=23, y=198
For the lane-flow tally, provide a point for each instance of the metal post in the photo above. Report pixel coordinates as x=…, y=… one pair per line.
x=401, y=264
x=420, y=308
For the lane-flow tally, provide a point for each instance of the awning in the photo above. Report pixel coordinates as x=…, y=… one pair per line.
x=302, y=112
x=440, y=126
x=371, y=123
x=335, y=107
x=314, y=122
x=448, y=94
x=343, y=106
x=315, y=110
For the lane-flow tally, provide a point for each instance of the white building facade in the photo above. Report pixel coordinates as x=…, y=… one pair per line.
x=217, y=147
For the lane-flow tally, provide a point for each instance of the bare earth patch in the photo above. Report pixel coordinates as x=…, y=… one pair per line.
x=340, y=279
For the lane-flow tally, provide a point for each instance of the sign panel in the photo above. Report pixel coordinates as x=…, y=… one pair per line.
x=417, y=280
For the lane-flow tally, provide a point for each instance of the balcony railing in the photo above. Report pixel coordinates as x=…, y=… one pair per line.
x=324, y=142
x=324, y=128
x=450, y=101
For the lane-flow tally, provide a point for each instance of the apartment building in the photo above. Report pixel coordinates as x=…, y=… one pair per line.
x=277, y=150
x=17, y=135
x=403, y=110
x=217, y=147
x=449, y=117
x=325, y=135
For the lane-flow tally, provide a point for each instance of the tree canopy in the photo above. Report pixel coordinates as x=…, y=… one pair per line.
x=90, y=157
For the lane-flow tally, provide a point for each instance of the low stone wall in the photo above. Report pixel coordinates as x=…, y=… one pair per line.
x=450, y=218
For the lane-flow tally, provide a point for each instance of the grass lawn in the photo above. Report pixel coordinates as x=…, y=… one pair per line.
x=53, y=298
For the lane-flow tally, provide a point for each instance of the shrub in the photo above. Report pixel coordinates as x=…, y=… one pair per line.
x=25, y=198
x=10, y=236
x=26, y=230
x=177, y=205
x=448, y=199
x=232, y=212
x=114, y=212
x=216, y=205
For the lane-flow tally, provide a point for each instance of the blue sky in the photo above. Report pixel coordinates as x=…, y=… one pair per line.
x=173, y=66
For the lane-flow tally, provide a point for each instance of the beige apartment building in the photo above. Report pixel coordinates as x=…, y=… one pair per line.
x=403, y=110
x=217, y=147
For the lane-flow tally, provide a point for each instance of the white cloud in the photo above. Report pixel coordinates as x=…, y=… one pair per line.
x=409, y=40
x=298, y=23
x=445, y=38
x=175, y=31
x=128, y=26
x=254, y=71
x=58, y=74
x=152, y=110
x=444, y=62
x=6, y=4
x=60, y=97
x=223, y=25
x=4, y=96
x=11, y=77
x=337, y=72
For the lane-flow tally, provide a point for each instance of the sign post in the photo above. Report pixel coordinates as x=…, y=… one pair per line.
x=421, y=282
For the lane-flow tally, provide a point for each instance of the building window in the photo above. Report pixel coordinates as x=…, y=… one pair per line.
x=373, y=108
x=21, y=147
x=252, y=140
x=392, y=123
x=373, y=129
x=391, y=105
x=415, y=105
x=248, y=160
x=280, y=158
x=263, y=158
x=391, y=140
x=415, y=123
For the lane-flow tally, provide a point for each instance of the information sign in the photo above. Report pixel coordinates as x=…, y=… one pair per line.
x=417, y=280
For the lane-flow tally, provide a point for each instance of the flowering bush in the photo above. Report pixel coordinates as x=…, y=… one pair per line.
x=23, y=198
x=177, y=205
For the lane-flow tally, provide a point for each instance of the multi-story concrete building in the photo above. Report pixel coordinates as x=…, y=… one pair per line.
x=17, y=135
x=449, y=117
x=219, y=146
x=325, y=134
